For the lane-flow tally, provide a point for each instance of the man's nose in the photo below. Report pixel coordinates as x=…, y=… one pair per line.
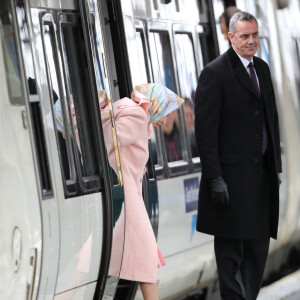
x=251, y=39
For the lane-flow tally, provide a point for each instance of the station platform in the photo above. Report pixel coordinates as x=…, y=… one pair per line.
x=287, y=288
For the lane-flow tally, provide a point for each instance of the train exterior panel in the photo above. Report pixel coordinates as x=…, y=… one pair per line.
x=60, y=198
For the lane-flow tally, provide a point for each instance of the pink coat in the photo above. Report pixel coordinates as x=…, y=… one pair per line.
x=141, y=255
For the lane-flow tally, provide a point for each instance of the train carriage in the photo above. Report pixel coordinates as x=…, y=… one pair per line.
x=60, y=198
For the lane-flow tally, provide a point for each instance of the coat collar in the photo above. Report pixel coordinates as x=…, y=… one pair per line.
x=241, y=73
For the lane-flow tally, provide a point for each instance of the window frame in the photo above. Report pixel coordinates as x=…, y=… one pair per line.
x=91, y=183
x=180, y=167
x=78, y=184
x=46, y=19
x=192, y=32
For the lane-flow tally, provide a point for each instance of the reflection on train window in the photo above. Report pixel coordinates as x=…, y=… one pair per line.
x=162, y=59
x=10, y=54
x=141, y=49
x=62, y=121
x=79, y=89
x=163, y=73
x=72, y=109
x=263, y=50
x=172, y=137
x=187, y=75
x=144, y=76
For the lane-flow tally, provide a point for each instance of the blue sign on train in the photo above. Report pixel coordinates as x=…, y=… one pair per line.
x=191, y=189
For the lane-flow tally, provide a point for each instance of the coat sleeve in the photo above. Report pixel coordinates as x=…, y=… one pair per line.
x=208, y=104
x=276, y=130
x=131, y=125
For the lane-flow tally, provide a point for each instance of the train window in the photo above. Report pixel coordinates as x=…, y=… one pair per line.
x=60, y=109
x=71, y=106
x=162, y=59
x=144, y=72
x=187, y=75
x=11, y=61
x=144, y=76
x=163, y=72
x=80, y=92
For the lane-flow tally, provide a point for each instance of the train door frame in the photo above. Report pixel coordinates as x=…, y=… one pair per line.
x=120, y=66
x=178, y=167
x=44, y=282
x=193, y=32
x=160, y=169
x=149, y=182
x=99, y=10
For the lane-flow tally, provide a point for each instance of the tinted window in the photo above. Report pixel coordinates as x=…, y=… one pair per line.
x=187, y=75
x=72, y=108
x=141, y=49
x=163, y=72
x=11, y=61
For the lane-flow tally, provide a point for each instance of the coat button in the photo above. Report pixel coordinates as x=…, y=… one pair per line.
x=255, y=160
x=257, y=136
x=256, y=113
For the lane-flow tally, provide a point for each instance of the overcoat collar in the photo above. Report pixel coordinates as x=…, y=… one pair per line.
x=240, y=71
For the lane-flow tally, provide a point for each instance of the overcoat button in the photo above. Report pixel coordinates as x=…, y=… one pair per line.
x=257, y=136
x=255, y=160
x=256, y=113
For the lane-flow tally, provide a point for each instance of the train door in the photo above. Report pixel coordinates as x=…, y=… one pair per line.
x=93, y=14
x=21, y=190
x=66, y=79
x=124, y=79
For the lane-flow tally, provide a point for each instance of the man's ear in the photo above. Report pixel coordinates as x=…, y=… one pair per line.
x=230, y=36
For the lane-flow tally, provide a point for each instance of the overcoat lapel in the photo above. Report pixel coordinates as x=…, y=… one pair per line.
x=240, y=72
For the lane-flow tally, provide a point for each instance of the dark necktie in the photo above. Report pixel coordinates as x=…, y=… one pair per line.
x=254, y=80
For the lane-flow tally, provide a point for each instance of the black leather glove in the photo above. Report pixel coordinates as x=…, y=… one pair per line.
x=218, y=192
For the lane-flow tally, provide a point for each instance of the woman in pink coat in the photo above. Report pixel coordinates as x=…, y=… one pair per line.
x=150, y=104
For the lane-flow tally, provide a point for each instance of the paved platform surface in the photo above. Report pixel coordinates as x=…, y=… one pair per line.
x=287, y=288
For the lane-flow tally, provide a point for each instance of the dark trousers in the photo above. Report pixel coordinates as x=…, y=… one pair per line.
x=240, y=265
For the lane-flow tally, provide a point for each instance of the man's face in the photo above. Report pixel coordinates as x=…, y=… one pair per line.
x=245, y=41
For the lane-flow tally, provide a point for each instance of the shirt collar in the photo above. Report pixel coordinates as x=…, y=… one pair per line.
x=244, y=61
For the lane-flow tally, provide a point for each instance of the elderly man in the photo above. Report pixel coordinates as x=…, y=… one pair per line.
x=237, y=134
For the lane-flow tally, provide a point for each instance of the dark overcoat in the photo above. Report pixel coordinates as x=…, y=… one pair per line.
x=229, y=116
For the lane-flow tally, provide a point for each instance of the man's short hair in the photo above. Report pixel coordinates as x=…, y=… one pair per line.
x=240, y=16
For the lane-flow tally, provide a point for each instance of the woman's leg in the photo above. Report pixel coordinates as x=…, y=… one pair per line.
x=149, y=291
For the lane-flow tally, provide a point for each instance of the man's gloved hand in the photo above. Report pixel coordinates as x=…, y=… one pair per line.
x=218, y=192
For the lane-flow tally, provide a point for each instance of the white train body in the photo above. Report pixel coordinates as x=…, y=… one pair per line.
x=59, y=200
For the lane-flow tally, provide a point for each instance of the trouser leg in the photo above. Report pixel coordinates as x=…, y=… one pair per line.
x=229, y=256
x=254, y=261
x=240, y=265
